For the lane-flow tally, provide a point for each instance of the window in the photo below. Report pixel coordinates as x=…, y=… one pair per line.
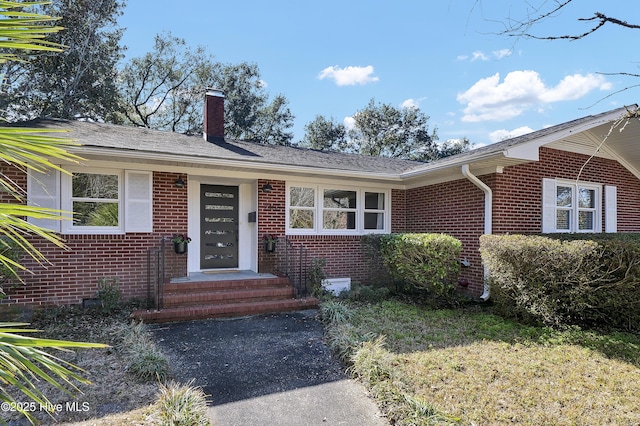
x=571, y=207
x=102, y=201
x=319, y=209
x=302, y=208
x=95, y=199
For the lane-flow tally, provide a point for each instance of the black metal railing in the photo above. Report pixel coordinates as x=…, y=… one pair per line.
x=293, y=262
x=162, y=265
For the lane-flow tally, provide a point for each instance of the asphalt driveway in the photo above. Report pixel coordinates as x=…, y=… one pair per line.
x=266, y=370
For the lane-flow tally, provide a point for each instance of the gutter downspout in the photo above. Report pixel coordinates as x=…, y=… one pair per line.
x=488, y=219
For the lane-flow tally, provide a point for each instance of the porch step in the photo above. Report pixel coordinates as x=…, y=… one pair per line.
x=185, y=313
x=190, y=300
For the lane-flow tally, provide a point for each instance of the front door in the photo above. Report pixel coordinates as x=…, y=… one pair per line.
x=218, y=226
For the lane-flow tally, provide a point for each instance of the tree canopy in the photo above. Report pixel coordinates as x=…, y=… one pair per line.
x=79, y=82
x=384, y=130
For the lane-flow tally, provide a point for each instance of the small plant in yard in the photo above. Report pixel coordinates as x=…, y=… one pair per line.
x=181, y=238
x=317, y=275
x=109, y=294
x=181, y=405
x=333, y=312
x=146, y=362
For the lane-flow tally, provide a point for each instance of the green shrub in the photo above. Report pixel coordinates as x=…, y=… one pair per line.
x=560, y=282
x=146, y=362
x=425, y=261
x=181, y=405
x=109, y=294
x=10, y=254
x=317, y=275
x=334, y=312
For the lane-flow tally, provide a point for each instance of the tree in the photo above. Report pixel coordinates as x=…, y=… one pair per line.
x=22, y=360
x=248, y=114
x=78, y=82
x=325, y=134
x=164, y=89
x=382, y=130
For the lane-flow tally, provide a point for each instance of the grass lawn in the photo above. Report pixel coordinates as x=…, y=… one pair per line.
x=469, y=367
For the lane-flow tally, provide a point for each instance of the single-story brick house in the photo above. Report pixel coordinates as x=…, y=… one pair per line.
x=227, y=194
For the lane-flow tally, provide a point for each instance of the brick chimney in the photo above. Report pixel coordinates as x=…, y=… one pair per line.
x=214, y=115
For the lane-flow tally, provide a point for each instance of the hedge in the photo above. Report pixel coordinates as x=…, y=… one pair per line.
x=428, y=262
x=566, y=279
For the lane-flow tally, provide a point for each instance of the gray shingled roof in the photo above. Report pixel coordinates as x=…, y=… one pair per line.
x=132, y=139
x=125, y=138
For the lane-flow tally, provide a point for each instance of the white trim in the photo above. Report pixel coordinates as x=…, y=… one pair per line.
x=43, y=190
x=550, y=207
x=610, y=208
x=68, y=226
x=138, y=201
x=318, y=209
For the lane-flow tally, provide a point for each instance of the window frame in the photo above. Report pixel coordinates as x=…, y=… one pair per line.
x=68, y=226
x=575, y=209
x=319, y=210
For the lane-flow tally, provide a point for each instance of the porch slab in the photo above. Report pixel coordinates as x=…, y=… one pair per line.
x=221, y=276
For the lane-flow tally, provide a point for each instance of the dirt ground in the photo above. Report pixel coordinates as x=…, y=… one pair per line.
x=113, y=390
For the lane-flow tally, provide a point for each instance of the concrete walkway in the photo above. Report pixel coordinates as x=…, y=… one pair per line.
x=266, y=370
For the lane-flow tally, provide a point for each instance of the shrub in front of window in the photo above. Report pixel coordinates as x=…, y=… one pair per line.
x=425, y=261
x=563, y=281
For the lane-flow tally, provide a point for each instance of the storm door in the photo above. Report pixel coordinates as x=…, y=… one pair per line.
x=218, y=226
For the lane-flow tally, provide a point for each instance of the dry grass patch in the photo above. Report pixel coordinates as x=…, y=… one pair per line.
x=471, y=367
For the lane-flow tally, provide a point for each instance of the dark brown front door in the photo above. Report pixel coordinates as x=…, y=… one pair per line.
x=218, y=226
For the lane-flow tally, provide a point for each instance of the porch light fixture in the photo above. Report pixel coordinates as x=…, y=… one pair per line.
x=267, y=187
x=179, y=183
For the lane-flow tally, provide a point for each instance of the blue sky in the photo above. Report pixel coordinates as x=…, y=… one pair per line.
x=330, y=58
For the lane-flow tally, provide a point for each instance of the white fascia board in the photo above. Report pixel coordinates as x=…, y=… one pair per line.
x=281, y=168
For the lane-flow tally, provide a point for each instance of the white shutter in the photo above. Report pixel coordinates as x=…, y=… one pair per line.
x=138, y=201
x=610, y=208
x=43, y=190
x=548, y=205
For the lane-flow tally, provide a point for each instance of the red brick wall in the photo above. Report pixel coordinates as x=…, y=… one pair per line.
x=73, y=275
x=515, y=213
x=455, y=208
x=343, y=254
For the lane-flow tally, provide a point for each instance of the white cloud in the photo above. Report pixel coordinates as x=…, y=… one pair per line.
x=349, y=76
x=502, y=53
x=502, y=134
x=411, y=103
x=490, y=99
x=479, y=55
x=349, y=123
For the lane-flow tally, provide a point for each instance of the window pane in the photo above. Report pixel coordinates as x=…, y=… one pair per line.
x=374, y=221
x=301, y=197
x=585, y=221
x=339, y=220
x=563, y=220
x=300, y=219
x=374, y=201
x=87, y=185
x=339, y=199
x=95, y=214
x=563, y=196
x=587, y=198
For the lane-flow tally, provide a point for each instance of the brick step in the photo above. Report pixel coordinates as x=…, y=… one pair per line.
x=172, y=300
x=186, y=313
x=205, y=286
